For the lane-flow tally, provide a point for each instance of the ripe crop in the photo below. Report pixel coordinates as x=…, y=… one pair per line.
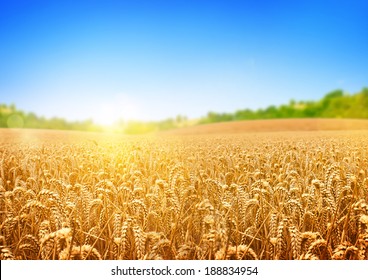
x=281, y=195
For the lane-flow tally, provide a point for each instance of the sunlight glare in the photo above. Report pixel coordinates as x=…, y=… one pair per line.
x=120, y=109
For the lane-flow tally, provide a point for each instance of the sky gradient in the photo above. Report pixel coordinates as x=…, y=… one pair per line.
x=151, y=60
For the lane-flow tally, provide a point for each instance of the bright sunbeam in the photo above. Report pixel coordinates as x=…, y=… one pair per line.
x=121, y=108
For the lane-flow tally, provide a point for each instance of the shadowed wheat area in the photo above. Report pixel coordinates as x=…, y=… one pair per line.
x=280, y=195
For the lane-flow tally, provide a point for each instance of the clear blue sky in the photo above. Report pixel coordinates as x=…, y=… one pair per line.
x=152, y=59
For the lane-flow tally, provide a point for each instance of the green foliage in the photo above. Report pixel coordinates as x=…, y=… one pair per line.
x=11, y=117
x=335, y=104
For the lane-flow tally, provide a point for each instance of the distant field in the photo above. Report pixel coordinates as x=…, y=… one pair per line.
x=271, y=195
x=274, y=125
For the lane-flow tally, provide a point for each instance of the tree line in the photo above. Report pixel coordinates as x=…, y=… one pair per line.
x=12, y=117
x=335, y=104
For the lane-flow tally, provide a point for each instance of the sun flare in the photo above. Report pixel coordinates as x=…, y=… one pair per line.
x=122, y=109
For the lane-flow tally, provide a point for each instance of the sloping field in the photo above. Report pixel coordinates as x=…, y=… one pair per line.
x=274, y=125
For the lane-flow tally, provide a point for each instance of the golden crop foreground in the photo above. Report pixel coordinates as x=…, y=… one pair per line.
x=300, y=195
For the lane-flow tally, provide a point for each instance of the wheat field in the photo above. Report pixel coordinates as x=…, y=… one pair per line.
x=272, y=196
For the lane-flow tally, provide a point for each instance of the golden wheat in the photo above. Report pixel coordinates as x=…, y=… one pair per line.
x=251, y=196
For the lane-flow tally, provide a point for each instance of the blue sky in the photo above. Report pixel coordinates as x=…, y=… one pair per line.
x=151, y=60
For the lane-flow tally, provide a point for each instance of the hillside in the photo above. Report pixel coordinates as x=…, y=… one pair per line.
x=273, y=126
x=336, y=104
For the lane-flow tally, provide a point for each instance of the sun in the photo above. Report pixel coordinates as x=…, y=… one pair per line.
x=109, y=114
